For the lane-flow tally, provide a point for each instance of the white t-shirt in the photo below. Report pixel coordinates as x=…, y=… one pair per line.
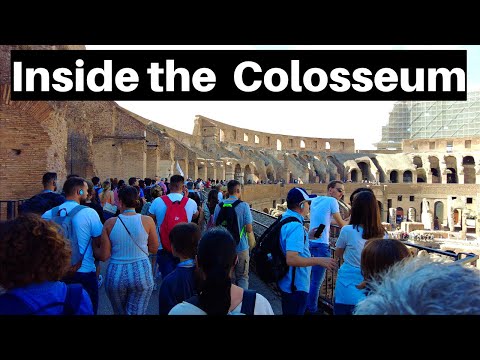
x=262, y=307
x=351, y=240
x=87, y=224
x=321, y=210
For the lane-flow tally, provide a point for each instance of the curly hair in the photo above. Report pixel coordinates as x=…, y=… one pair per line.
x=31, y=251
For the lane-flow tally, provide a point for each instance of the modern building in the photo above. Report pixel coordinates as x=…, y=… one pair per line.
x=431, y=120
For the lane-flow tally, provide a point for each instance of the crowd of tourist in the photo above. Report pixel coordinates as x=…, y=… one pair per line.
x=200, y=242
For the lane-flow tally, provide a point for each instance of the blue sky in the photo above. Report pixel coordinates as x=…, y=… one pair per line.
x=360, y=120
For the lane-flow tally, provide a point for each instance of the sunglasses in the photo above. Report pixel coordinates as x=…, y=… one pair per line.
x=339, y=190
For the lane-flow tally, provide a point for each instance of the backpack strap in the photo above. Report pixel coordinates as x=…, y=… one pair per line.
x=75, y=210
x=234, y=204
x=248, y=302
x=166, y=200
x=283, y=222
x=73, y=299
x=184, y=201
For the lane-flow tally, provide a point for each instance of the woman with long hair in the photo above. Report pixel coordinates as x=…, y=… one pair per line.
x=126, y=241
x=364, y=224
x=209, y=209
x=216, y=258
x=106, y=196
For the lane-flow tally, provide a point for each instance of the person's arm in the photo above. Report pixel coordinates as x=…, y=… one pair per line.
x=251, y=236
x=294, y=259
x=339, y=253
x=339, y=221
x=102, y=247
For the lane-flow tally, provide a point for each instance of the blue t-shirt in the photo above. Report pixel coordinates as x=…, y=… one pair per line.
x=293, y=238
x=244, y=217
x=178, y=286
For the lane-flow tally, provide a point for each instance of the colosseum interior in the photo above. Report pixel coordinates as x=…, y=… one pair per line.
x=101, y=138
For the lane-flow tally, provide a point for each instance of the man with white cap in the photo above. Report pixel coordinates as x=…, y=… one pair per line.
x=294, y=243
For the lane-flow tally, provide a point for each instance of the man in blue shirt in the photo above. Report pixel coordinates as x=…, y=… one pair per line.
x=295, y=246
x=245, y=229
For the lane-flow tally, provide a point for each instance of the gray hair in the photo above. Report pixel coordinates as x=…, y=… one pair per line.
x=421, y=286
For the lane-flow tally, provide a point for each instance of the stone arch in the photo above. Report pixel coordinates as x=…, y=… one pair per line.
x=279, y=144
x=239, y=173
x=469, y=169
x=248, y=178
x=302, y=144
x=270, y=173
x=407, y=176
x=417, y=161
x=354, y=175
x=421, y=176
x=451, y=165
x=221, y=135
x=435, y=169
x=364, y=168
x=399, y=215
x=394, y=176
x=438, y=211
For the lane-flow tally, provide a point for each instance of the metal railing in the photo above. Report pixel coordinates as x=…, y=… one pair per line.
x=9, y=209
x=262, y=221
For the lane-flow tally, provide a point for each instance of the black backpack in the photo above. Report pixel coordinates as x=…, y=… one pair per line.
x=40, y=203
x=268, y=257
x=227, y=217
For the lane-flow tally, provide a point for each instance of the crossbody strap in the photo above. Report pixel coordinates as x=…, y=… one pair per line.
x=131, y=237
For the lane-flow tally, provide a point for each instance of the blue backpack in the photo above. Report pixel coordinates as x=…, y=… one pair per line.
x=64, y=219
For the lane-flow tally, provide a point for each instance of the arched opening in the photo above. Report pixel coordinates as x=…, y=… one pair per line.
x=238, y=173
x=245, y=137
x=435, y=169
x=257, y=140
x=279, y=145
x=354, y=175
x=421, y=176
x=399, y=215
x=407, y=176
x=364, y=168
x=469, y=170
x=438, y=212
x=248, y=178
x=452, y=176
x=394, y=177
x=456, y=218
x=451, y=165
x=417, y=161
x=327, y=145
x=302, y=144
x=222, y=135
x=270, y=173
